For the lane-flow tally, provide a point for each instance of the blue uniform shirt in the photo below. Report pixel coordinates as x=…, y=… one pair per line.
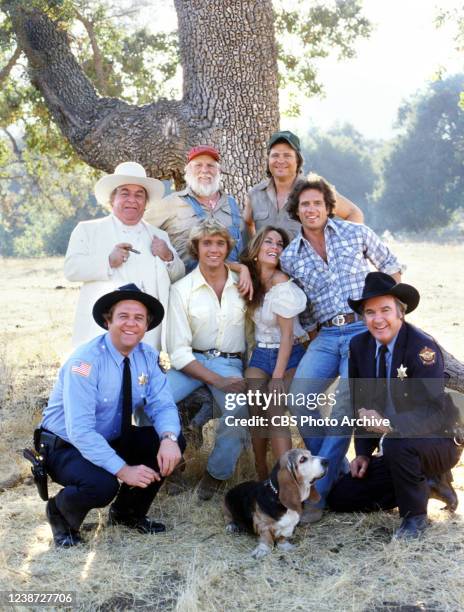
x=85, y=406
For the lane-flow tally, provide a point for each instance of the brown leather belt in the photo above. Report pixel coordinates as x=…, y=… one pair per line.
x=212, y=353
x=341, y=319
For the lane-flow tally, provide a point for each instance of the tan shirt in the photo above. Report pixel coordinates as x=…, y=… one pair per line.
x=263, y=201
x=175, y=215
x=199, y=321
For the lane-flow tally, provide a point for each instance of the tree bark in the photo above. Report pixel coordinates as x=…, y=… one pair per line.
x=454, y=369
x=230, y=96
x=229, y=59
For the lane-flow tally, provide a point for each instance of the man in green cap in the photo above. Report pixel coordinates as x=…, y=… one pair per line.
x=266, y=203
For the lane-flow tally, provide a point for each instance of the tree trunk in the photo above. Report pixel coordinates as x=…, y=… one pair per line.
x=230, y=98
x=455, y=370
x=229, y=59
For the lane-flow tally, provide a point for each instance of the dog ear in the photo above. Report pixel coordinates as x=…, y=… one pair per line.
x=314, y=495
x=289, y=491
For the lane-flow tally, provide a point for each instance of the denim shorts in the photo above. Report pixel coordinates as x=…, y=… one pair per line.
x=266, y=358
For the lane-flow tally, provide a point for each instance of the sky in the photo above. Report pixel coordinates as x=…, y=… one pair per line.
x=405, y=51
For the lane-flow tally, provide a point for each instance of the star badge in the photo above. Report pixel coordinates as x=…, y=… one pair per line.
x=143, y=379
x=402, y=372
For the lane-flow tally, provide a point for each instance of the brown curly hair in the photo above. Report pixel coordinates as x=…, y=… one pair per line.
x=249, y=256
x=312, y=181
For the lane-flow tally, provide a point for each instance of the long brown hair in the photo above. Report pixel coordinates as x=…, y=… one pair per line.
x=249, y=257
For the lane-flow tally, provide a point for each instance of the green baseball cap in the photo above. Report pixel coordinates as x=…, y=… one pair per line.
x=286, y=136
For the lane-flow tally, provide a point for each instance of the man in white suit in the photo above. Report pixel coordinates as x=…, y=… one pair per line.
x=121, y=248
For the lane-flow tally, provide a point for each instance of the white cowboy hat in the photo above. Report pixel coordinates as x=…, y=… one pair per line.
x=128, y=173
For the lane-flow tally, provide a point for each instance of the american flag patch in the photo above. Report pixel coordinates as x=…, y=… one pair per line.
x=83, y=368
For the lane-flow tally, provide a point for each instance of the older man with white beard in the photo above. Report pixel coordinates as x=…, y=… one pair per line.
x=202, y=198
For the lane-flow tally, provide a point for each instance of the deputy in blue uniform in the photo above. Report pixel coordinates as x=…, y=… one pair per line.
x=397, y=385
x=90, y=443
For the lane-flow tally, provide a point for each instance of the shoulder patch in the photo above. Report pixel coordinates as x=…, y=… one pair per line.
x=83, y=368
x=164, y=362
x=427, y=356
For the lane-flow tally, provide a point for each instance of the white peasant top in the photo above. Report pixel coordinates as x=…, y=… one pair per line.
x=284, y=299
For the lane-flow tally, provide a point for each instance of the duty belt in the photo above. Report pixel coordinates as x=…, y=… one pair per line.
x=340, y=320
x=52, y=441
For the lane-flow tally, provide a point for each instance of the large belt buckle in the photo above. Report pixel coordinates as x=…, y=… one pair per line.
x=213, y=353
x=339, y=320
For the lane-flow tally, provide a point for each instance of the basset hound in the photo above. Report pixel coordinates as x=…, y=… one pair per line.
x=272, y=508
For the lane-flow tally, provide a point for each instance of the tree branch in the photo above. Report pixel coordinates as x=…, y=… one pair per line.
x=103, y=131
x=102, y=82
x=5, y=71
x=14, y=144
x=228, y=101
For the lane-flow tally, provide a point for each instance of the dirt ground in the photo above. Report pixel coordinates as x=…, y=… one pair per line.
x=345, y=562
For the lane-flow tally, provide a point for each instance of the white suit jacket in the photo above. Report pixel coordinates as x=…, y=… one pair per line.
x=86, y=260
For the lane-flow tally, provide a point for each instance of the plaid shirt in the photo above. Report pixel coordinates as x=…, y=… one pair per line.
x=329, y=285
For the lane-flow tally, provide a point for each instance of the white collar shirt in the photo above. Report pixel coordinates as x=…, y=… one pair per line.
x=199, y=321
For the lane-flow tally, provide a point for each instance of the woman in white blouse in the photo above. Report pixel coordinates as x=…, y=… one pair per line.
x=278, y=335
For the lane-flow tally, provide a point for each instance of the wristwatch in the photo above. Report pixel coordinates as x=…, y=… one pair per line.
x=169, y=436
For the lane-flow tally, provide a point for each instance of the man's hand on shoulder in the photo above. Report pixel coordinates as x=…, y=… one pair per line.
x=245, y=284
x=137, y=475
x=168, y=456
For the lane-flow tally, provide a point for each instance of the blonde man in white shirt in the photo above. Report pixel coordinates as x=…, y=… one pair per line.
x=206, y=341
x=120, y=249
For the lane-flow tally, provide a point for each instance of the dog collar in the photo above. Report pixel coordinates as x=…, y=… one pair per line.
x=273, y=489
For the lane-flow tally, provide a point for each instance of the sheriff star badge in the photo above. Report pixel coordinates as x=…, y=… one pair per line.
x=143, y=379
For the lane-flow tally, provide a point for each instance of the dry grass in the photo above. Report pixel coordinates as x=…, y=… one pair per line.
x=345, y=562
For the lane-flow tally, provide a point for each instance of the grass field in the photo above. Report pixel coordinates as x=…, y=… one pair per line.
x=345, y=562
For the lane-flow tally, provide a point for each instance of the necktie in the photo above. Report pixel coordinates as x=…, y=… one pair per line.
x=382, y=380
x=126, y=402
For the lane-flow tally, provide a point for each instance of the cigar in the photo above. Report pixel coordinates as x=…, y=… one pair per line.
x=132, y=250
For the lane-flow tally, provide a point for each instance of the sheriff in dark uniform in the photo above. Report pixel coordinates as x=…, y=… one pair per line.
x=396, y=377
x=86, y=432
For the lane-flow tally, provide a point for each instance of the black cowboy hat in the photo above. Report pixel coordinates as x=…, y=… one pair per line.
x=379, y=283
x=128, y=292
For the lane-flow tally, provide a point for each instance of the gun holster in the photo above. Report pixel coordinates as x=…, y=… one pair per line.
x=38, y=457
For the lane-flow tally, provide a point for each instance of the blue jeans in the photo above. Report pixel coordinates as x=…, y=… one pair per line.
x=266, y=358
x=325, y=360
x=230, y=439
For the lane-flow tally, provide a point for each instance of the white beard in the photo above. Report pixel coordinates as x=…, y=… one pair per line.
x=204, y=191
